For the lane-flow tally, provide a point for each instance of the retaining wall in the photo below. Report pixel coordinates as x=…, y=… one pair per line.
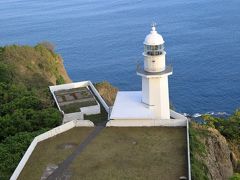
x=146, y=123
x=179, y=120
x=53, y=132
x=91, y=109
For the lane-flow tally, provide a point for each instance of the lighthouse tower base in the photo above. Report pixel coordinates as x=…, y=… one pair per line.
x=155, y=96
x=129, y=111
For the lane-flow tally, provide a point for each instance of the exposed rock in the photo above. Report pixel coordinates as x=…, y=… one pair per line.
x=234, y=160
x=217, y=158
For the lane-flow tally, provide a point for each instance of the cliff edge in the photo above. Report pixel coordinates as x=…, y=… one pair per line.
x=210, y=154
x=26, y=105
x=37, y=66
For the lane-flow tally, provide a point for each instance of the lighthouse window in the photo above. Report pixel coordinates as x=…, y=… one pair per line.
x=153, y=50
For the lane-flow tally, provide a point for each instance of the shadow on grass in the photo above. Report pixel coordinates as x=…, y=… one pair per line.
x=98, y=119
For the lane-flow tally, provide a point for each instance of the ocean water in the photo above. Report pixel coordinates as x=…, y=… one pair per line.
x=102, y=40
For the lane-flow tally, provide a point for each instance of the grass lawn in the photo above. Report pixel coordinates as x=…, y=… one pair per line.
x=52, y=151
x=116, y=153
x=134, y=153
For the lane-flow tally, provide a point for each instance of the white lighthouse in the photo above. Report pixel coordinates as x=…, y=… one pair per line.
x=155, y=92
x=149, y=107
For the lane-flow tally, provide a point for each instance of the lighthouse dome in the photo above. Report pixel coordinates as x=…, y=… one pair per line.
x=153, y=38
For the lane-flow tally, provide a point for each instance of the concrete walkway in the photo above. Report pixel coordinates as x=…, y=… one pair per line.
x=61, y=172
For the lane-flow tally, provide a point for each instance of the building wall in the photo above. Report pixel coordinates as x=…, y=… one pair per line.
x=163, y=99
x=91, y=110
x=145, y=91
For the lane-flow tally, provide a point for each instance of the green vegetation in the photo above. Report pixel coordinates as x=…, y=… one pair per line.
x=236, y=176
x=12, y=149
x=33, y=66
x=60, y=80
x=52, y=152
x=229, y=128
x=26, y=106
x=197, y=148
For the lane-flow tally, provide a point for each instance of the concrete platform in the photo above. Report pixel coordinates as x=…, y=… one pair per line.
x=128, y=105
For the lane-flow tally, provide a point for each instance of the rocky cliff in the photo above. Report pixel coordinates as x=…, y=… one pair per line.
x=210, y=153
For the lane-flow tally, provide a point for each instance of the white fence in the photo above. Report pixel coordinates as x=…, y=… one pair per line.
x=188, y=152
x=44, y=136
x=104, y=104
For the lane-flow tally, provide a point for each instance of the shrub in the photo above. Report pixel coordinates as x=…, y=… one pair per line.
x=26, y=108
x=60, y=80
x=236, y=176
x=11, y=151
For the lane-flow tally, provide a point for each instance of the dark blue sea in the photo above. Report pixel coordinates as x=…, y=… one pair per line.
x=103, y=40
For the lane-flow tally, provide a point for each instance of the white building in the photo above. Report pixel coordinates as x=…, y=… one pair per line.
x=150, y=106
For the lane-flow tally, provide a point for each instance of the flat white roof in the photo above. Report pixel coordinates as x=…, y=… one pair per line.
x=128, y=105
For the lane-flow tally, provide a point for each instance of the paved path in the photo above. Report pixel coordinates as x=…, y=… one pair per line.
x=61, y=172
